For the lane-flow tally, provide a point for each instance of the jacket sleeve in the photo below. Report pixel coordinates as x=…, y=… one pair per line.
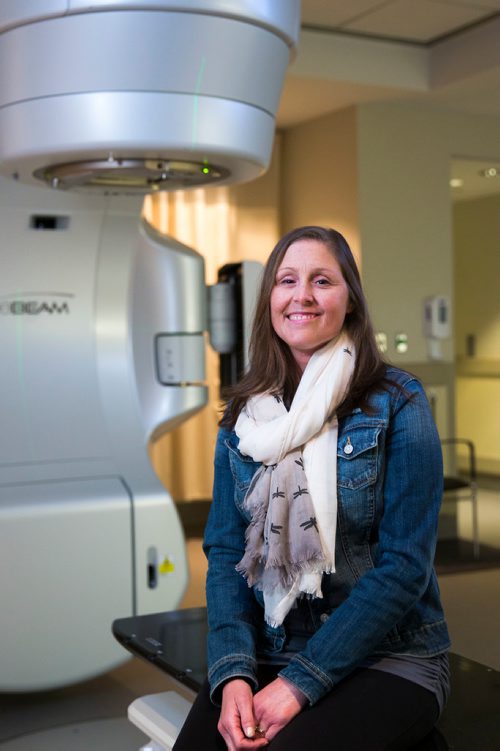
x=233, y=612
x=412, y=491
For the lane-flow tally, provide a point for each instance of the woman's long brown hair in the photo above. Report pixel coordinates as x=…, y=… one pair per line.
x=272, y=367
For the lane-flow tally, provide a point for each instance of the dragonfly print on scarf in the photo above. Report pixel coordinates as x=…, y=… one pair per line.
x=283, y=535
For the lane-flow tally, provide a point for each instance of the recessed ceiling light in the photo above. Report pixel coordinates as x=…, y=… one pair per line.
x=490, y=172
x=456, y=182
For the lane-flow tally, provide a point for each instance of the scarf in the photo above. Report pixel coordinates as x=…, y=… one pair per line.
x=292, y=499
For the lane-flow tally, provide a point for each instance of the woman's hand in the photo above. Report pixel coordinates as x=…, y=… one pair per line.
x=277, y=704
x=237, y=719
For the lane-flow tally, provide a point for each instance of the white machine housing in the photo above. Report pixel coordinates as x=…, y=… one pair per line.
x=101, y=324
x=102, y=319
x=169, y=93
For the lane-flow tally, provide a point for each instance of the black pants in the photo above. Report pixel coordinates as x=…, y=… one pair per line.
x=367, y=711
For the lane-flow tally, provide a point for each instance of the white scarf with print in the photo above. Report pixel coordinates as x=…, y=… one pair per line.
x=292, y=499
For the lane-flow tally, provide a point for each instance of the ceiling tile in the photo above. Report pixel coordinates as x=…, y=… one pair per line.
x=333, y=13
x=420, y=22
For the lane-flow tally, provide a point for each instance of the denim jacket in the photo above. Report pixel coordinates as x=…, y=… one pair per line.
x=383, y=598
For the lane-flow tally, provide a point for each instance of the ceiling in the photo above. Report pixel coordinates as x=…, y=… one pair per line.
x=420, y=21
x=441, y=53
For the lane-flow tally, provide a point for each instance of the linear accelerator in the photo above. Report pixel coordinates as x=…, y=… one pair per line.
x=102, y=319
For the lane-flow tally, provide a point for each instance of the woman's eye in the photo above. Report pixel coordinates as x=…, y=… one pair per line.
x=322, y=281
x=285, y=280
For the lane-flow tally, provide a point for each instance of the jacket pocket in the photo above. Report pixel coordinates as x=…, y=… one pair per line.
x=357, y=453
x=357, y=468
x=270, y=641
x=243, y=469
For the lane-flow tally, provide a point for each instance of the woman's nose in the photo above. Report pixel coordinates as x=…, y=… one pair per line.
x=303, y=292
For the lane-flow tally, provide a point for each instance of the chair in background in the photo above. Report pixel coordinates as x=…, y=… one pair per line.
x=463, y=485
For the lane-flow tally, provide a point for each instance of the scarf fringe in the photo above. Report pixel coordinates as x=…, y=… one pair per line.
x=260, y=573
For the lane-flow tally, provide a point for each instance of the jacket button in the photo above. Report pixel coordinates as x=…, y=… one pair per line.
x=324, y=617
x=348, y=448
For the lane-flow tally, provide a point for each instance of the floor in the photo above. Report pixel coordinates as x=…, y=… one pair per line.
x=471, y=599
x=92, y=716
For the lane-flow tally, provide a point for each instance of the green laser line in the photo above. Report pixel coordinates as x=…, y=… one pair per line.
x=197, y=89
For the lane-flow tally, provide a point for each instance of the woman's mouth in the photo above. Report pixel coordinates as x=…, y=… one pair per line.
x=301, y=316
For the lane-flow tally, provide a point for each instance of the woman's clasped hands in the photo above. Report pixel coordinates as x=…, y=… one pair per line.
x=250, y=721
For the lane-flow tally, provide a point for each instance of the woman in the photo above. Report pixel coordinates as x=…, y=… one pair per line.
x=325, y=624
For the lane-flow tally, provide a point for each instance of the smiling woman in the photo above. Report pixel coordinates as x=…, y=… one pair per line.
x=273, y=366
x=323, y=607
x=310, y=299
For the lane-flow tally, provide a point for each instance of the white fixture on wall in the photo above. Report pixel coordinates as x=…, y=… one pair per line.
x=436, y=324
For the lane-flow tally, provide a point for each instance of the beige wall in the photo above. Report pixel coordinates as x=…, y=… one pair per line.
x=319, y=177
x=478, y=410
x=404, y=155
x=404, y=208
x=476, y=230
x=391, y=196
x=257, y=212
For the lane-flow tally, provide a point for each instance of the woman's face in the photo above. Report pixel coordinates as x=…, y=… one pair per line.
x=309, y=300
